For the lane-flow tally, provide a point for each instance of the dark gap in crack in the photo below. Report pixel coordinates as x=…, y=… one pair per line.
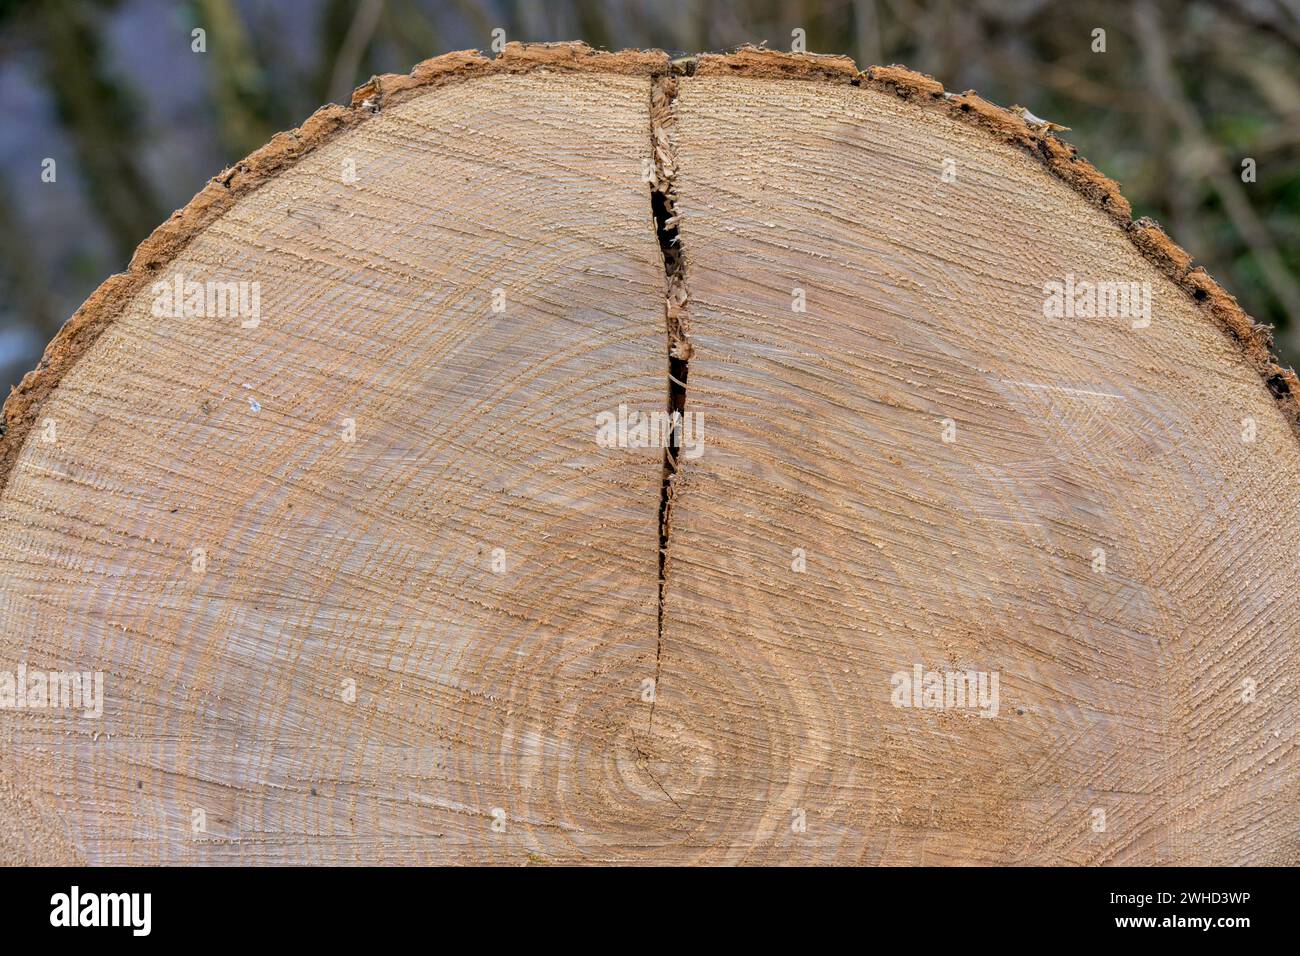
x=663, y=208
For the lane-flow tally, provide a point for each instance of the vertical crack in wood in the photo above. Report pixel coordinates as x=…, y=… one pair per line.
x=663, y=200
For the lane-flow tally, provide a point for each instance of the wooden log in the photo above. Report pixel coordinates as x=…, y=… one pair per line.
x=972, y=542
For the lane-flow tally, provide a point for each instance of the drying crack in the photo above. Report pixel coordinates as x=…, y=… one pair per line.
x=643, y=762
x=663, y=202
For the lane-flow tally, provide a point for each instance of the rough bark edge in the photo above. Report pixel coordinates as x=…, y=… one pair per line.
x=1253, y=340
x=284, y=150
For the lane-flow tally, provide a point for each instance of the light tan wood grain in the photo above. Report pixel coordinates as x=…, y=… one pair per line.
x=369, y=561
x=537, y=703
x=1121, y=690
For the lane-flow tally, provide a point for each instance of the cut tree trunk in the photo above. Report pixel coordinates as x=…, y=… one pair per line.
x=371, y=578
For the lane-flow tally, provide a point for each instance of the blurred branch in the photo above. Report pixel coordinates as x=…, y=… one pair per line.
x=1071, y=84
x=1229, y=188
x=866, y=27
x=237, y=83
x=591, y=24
x=25, y=271
x=348, y=61
x=100, y=119
x=1267, y=17
x=483, y=23
x=412, y=33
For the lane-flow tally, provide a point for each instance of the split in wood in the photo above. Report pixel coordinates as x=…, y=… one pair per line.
x=663, y=93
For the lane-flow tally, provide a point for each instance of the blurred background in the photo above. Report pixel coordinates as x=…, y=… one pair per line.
x=136, y=121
